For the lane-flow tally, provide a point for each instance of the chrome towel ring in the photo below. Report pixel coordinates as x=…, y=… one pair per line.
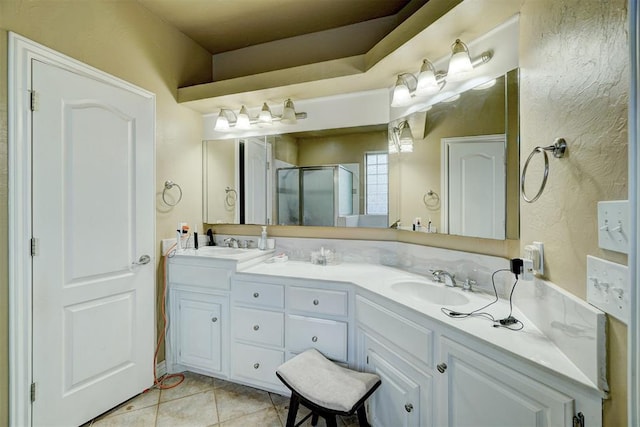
x=230, y=197
x=168, y=185
x=558, y=148
x=431, y=200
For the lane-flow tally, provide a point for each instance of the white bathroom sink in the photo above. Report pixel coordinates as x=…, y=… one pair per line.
x=221, y=250
x=435, y=294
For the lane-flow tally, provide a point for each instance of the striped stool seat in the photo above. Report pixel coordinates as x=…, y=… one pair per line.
x=325, y=388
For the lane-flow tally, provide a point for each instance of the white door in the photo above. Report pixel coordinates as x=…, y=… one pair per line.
x=476, y=186
x=93, y=216
x=255, y=181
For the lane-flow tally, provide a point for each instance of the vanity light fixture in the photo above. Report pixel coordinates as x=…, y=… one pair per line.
x=401, y=140
x=429, y=81
x=227, y=119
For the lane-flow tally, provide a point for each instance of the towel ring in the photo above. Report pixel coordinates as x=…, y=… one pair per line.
x=431, y=200
x=231, y=197
x=168, y=185
x=559, y=148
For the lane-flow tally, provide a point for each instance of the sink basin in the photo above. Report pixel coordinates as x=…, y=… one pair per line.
x=221, y=250
x=435, y=294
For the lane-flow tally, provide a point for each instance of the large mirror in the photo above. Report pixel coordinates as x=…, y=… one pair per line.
x=465, y=152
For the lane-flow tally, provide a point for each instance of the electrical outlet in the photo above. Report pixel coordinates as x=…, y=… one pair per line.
x=608, y=287
x=527, y=270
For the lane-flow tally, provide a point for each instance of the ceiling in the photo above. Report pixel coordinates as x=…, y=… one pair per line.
x=225, y=25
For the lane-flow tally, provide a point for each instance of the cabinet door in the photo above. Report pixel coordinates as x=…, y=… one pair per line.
x=199, y=334
x=397, y=402
x=480, y=392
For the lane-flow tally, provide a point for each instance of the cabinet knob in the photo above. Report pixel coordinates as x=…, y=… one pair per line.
x=316, y=302
x=256, y=365
x=256, y=294
x=256, y=327
x=408, y=407
x=214, y=319
x=314, y=339
x=442, y=367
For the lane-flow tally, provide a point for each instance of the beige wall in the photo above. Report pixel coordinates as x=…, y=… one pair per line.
x=575, y=84
x=125, y=40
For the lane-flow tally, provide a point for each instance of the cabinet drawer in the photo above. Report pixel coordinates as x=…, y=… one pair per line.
x=410, y=337
x=319, y=301
x=195, y=275
x=257, y=363
x=262, y=327
x=327, y=336
x=259, y=294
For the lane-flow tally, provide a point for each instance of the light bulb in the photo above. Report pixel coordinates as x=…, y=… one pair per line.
x=222, y=123
x=265, y=118
x=243, y=121
x=460, y=62
x=289, y=113
x=401, y=94
x=427, y=82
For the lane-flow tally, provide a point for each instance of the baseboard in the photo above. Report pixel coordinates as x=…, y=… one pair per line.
x=161, y=369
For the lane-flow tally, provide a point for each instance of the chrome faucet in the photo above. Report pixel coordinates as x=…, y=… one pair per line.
x=445, y=277
x=230, y=242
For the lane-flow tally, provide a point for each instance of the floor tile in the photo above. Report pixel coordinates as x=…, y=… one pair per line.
x=140, y=418
x=263, y=418
x=197, y=410
x=235, y=400
x=192, y=384
x=144, y=400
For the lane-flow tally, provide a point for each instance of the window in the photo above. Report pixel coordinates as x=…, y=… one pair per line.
x=377, y=183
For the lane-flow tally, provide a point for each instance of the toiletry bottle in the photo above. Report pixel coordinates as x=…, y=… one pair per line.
x=262, y=243
x=195, y=238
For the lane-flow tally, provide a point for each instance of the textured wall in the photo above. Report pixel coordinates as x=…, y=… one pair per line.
x=575, y=84
x=125, y=40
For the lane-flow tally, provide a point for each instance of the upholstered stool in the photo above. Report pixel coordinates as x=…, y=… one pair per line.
x=325, y=388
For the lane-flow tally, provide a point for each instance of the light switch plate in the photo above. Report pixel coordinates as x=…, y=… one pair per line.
x=608, y=287
x=613, y=225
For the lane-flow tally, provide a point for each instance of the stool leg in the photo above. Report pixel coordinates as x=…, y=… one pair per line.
x=294, y=403
x=331, y=420
x=314, y=419
x=362, y=417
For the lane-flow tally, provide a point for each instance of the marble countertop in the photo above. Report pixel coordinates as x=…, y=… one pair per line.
x=530, y=343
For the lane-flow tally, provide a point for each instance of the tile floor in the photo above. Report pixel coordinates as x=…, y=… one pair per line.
x=202, y=401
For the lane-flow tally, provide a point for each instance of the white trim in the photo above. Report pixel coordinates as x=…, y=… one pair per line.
x=21, y=53
x=633, y=395
x=161, y=369
x=444, y=170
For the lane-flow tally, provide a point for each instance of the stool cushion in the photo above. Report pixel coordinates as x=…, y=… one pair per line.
x=324, y=383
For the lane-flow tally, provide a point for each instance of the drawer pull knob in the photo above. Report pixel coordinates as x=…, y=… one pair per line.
x=408, y=407
x=256, y=327
x=314, y=339
x=316, y=302
x=214, y=319
x=442, y=367
x=256, y=365
x=256, y=294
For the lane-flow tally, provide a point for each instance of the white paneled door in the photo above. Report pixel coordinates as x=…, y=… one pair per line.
x=476, y=186
x=93, y=221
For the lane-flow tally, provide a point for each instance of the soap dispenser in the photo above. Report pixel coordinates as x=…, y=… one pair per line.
x=262, y=243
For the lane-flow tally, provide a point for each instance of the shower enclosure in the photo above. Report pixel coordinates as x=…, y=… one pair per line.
x=314, y=195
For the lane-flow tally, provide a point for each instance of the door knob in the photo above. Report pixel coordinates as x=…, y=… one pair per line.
x=442, y=367
x=214, y=319
x=144, y=259
x=408, y=407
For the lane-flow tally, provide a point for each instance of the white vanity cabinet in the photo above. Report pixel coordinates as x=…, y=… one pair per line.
x=400, y=351
x=275, y=318
x=478, y=391
x=198, y=312
x=434, y=376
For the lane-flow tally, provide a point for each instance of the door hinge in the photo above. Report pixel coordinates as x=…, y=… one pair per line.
x=33, y=392
x=34, y=100
x=35, y=247
x=367, y=360
x=578, y=420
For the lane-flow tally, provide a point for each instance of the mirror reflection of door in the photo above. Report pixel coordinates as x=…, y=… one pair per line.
x=255, y=181
x=474, y=180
